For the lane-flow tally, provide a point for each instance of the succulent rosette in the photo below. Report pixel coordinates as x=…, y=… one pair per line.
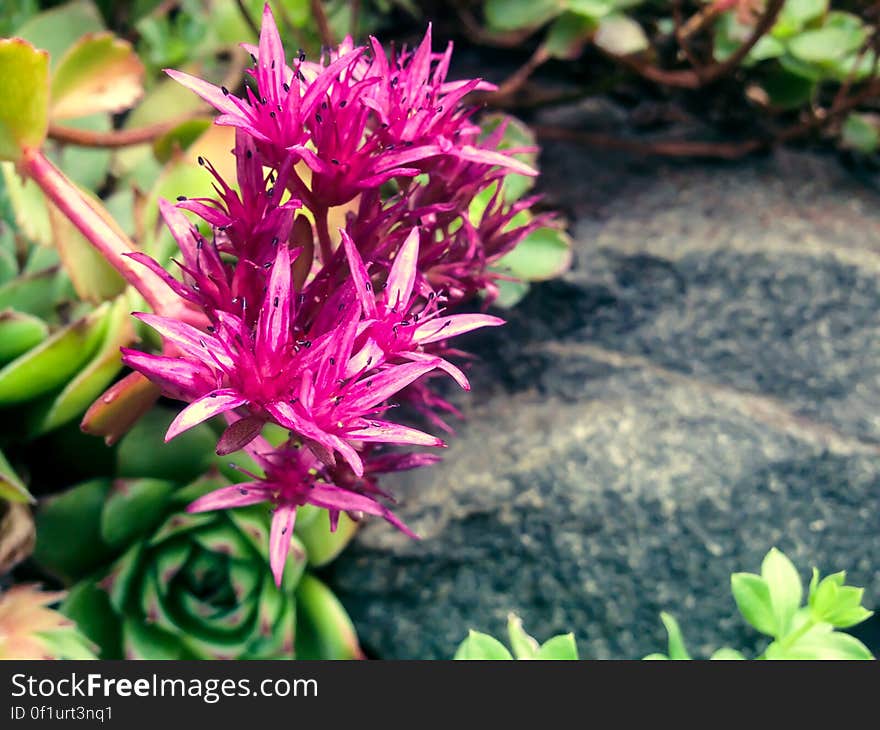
x=151, y=581
x=29, y=629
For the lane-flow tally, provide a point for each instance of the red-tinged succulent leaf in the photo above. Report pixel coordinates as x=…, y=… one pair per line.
x=99, y=73
x=324, y=630
x=119, y=408
x=24, y=97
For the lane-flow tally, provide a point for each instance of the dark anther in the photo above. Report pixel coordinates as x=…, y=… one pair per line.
x=181, y=197
x=319, y=118
x=342, y=103
x=201, y=160
x=302, y=55
x=249, y=154
x=285, y=86
x=224, y=90
x=334, y=160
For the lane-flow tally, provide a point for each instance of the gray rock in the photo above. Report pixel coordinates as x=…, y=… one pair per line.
x=701, y=386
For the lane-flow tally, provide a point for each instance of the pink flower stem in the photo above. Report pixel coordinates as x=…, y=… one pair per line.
x=106, y=239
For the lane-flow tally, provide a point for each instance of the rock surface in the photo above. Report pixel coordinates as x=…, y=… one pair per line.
x=704, y=384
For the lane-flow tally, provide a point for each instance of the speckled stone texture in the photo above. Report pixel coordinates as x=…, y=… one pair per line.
x=701, y=386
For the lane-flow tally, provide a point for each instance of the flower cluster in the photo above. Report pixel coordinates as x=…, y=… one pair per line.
x=318, y=330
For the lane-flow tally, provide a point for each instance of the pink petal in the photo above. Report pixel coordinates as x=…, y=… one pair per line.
x=238, y=495
x=183, y=291
x=455, y=373
x=350, y=455
x=385, y=432
x=490, y=157
x=208, y=406
x=279, y=539
x=287, y=417
x=210, y=93
x=380, y=387
x=274, y=330
x=186, y=338
x=178, y=378
x=359, y=274
x=402, y=276
x=457, y=324
x=343, y=500
x=271, y=53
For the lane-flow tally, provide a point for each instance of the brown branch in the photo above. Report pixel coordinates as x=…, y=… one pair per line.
x=515, y=81
x=324, y=31
x=117, y=137
x=697, y=22
x=688, y=78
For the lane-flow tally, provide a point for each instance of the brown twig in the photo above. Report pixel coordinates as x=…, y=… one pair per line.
x=515, y=81
x=324, y=31
x=117, y=137
x=698, y=21
x=683, y=40
x=688, y=78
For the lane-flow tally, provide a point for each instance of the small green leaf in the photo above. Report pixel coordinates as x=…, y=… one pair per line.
x=543, y=254
x=726, y=654
x=523, y=645
x=510, y=293
x=99, y=73
x=562, y=647
x=860, y=132
x=567, y=35
x=24, y=97
x=12, y=488
x=481, y=647
x=786, y=589
x=787, y=90
x=826, y=44
x=834, y=603
x=591, y=8
x=752, y=596
x=677, y=649
x=511, y=15
x=19, y=332
x=797, y=13
x=620, y=35
x=820, y=643
x=655, y=657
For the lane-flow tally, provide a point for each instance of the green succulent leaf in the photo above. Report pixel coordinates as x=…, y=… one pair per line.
x=69, y=541
x=58, y=29
x=543, y=254
x=142, y=452
x=94, y=375
x=12, y=488
x=677, y=649
x=559, y=648
x=89, y=606
x=19, y=332
x=786, y=589
x=478, y=646
x=29, y=206
x=134, y=507
x=834, y=603
x=322, y=545
x=24, y=100
x=98, y=73
x=324, y=630
x=752, y=596
x=54, y=361
x=726, y=653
